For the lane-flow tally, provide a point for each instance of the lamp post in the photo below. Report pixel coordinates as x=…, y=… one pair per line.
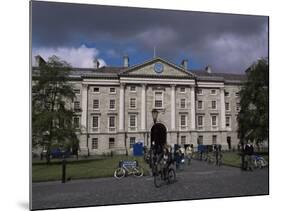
x=154, y=115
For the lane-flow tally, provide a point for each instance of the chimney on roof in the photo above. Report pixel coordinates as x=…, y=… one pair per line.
x=96, y=63
x=208, y=69
x=184, y=63
x=126, y=60
x=39, y=61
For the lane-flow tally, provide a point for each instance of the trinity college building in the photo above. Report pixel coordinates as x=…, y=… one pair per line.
x=113, y=105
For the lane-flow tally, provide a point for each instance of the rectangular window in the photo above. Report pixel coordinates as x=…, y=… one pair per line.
x=133, y=88
x=96, y=90
x=200, y=104
x=226, y=94
x=112, y=90
x=237, y=106
x=199, y=91
x=227, y=121
x=200, y=121
x=183, y=120
x=133, y=122
x=200, y=140
x=132, y=142
x=214, y=139
x=76, y=91
x=214, y=104
x=213, y=92
x=111, y=143
x=112, y=122
x=182, y=90
x=214, y=120
x=95, y=143
x=227, y=106
x=95, y=122
x=182, y=103
x=76, y=122
x=111, y=104
x=236, y=94
x=133, y=103
x=183, y=140
x=76, y=105
x=96, y=104
x=158, y=102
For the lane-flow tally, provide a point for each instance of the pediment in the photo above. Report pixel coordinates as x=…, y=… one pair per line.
x=157, y=67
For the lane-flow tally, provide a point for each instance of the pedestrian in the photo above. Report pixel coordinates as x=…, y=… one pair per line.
x=249, y=151
x=188, y=152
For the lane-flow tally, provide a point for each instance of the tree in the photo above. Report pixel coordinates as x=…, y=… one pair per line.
x=52, y=116
x=254, y=101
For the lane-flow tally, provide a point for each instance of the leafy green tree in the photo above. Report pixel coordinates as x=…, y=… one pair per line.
x=52, y=116
x=254, y=101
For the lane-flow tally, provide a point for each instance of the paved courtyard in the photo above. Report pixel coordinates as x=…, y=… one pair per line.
x=199, y=180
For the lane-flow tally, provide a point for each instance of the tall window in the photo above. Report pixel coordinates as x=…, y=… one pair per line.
x=200, y=140
x=111, y=123
x=200, y=104
x=214, y=139
x=183, y=120
x=133, y=122
x=199, y=91
x=214, y=120
x=111, y=144
x=227, y=121
x=237, y=106
x=183, y=103
x=182, y=90
x=133, y=103
x=214, y=104
x=226, y=94
x=200, y=121
x=132, y=141
x=158, y=102
x=112, y=104
x=95, y=143
x=96, y=104
x=227, y=106
x=183, y=140
x=76, y=122
x=76, y=105
x=95, y=123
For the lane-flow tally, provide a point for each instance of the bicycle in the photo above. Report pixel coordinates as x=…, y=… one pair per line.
x=167, y=175
x=128, y=168
x=259, y=161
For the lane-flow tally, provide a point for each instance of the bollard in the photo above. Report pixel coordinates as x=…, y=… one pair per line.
x=63, y=170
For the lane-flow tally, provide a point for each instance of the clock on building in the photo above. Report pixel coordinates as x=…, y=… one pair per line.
x=158, y=67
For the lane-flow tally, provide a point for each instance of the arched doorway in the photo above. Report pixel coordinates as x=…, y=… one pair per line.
x=158, y=134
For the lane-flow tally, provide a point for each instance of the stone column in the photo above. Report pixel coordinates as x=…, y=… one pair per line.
x=84, y=107
x=143, y=107
x=192, y=107
x=222, y=109
x=121, y=108
x=173, y=107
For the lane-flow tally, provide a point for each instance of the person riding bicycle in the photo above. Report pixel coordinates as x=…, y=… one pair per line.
x=165, y=160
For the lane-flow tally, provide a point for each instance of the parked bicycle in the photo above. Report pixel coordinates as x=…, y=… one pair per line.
x=128, y=168
x=259, y=161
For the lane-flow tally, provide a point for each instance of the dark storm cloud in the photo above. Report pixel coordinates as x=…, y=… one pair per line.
x=225, y=41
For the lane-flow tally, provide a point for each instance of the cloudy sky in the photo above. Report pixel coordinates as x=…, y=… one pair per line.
x=79, y=33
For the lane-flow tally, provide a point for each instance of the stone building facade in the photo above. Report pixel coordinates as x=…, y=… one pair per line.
x=113, y=105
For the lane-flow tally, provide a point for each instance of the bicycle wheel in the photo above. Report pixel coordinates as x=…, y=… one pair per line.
x=171, y=176
x=157, y=179
x=119, y=173
x=138, y=171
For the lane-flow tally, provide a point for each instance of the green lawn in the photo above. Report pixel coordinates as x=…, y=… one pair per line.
x=85, y=168
x=234, y=158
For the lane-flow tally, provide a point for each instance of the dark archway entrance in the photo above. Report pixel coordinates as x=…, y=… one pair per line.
x=158, y=134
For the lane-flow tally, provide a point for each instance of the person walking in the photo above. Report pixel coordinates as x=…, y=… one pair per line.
x=188, y=152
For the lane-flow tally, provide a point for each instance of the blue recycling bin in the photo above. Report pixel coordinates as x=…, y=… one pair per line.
x=138, y=149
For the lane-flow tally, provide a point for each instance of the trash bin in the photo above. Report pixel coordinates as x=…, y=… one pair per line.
x=138, y=149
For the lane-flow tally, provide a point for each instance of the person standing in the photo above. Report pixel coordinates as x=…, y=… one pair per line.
x=188, y=152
